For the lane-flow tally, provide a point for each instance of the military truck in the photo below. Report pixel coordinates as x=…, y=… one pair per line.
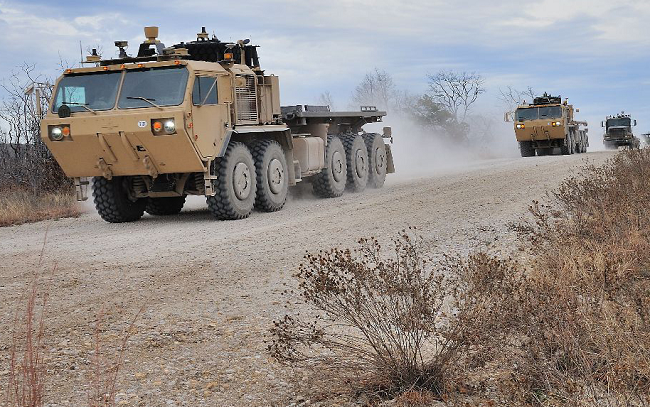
x=618, y=132
x=548, y=124
x=202, y=118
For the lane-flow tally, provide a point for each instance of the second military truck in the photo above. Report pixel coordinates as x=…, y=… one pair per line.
x=201, y=118
x=548, y=124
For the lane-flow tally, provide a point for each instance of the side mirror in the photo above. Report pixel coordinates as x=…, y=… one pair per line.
x=602, y=124
x=577, y=110
x=388, y=132
x=506, y=117
x=635, y=123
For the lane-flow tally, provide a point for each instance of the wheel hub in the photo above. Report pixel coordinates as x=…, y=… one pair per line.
x=242, y=181
x=380, y=160
x=276, y=176
x=360, y=163
x=337, y=166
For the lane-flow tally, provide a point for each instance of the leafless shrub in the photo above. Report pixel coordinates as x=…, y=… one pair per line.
x=387, y=324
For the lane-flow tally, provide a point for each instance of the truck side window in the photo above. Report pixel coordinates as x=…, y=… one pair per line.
x=205, y=91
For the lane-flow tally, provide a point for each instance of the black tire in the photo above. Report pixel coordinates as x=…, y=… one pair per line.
x=356, y=154
x=566, y=147
x=272, y=175
x=165, y=206
x=112, y=200
x=330, y=182
x=377, y=160
x=235, y=185
x=526, y=148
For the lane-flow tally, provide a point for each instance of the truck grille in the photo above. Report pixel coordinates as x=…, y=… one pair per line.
x=246, y=102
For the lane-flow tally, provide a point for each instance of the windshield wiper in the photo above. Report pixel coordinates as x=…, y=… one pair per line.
x=150, y=101
x=84, y=105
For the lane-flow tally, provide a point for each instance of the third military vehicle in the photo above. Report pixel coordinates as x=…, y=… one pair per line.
x=547, y=124
x=201, y=118
x=618, y=132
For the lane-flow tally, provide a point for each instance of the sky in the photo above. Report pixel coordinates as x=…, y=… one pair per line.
x=595, y=52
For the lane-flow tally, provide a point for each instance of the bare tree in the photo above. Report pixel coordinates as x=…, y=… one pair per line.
x=25, y=161
x=377, y=89
x=326, y=98
x=456, y=91
x=512, y=97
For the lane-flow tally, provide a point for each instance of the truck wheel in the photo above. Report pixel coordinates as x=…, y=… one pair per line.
x=357, y=162
x=235, y=185
x=566, y=148
x=112, y=200
x=271, y=171
x=526, y=148
x=165, y=206
x=330, y=182
x=377, y=160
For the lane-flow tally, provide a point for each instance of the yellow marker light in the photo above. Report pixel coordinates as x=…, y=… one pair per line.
x=177, y=62
x=66, y=131
x=227, y=55
x=68, y=71
x=140, y=65
x=521, y=126
x=157, y=126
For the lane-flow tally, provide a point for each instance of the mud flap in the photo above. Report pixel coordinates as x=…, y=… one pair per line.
x=390, y=164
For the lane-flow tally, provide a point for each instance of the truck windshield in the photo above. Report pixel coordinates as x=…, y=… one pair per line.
x=96, y=91
x=153, y=87
x=534, y=113
x=625, y=121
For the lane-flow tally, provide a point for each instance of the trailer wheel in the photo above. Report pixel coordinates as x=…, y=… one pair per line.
x=112, y=200
x=526, y=148
x=377, y=160
x=235, y=185
x=357, y=162
x=271, y=171
x=165, y=206
x=330, y=182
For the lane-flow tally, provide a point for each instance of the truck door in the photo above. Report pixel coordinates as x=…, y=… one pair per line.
x=209, y=116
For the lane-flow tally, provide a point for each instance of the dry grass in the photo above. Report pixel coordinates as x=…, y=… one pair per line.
x=569, y=328
x=19, y=206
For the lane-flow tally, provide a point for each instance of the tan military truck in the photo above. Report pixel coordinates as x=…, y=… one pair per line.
x=201, y=118
x=548, y=124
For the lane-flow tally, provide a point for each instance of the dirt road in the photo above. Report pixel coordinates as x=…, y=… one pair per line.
x=210, y=289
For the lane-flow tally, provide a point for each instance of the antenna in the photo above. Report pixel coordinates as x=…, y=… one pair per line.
x=81, y=53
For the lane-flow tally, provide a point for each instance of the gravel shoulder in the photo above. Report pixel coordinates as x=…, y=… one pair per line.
x=210, y=290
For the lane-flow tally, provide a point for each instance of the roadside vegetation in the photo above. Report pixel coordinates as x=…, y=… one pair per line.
x=567, y=323
x=32, y=185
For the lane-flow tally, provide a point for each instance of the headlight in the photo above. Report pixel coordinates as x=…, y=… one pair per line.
x=58, y=133
x=170, y=127
x=163, y=126
x=521, y=126
x=557, y=124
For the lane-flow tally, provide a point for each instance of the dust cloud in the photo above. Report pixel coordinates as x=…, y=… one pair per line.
x=420, y=152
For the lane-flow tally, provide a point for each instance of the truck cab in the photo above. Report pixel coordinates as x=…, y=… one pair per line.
x=618, y=132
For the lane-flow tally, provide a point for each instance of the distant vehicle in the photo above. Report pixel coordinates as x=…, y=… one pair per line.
x=202, y=118
x=618, y=132
x=548, y=124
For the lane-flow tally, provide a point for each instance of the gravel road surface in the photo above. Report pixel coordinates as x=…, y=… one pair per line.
x=210, y=290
